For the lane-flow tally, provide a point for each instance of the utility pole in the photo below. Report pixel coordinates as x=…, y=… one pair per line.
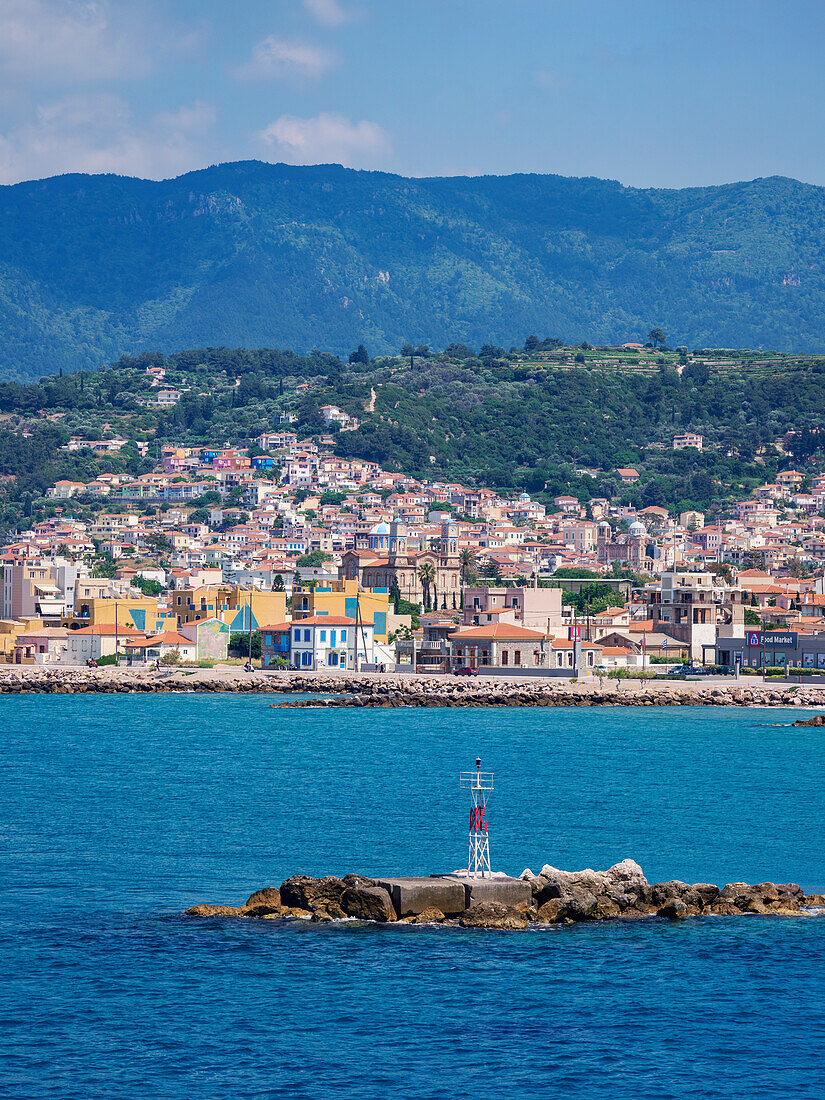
x=359, y=624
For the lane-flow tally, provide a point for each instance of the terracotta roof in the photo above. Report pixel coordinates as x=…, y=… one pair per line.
x=497, y=632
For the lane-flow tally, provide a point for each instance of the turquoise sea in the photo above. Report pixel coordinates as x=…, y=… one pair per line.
x=117, y=812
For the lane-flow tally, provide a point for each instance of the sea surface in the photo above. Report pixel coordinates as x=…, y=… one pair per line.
x=118, y=812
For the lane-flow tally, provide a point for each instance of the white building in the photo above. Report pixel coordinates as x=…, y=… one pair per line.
x=687, y=439
x=335, y=642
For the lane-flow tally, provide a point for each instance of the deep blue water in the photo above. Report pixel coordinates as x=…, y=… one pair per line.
x=117, y=812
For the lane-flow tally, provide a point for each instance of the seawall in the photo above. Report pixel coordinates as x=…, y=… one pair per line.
x=393, y=690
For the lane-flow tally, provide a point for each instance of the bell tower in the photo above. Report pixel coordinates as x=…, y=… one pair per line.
x=449, y=539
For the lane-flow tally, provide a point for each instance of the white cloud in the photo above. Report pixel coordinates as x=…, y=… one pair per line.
x=82, y=133
x=327, y=138
x=275, y=57
x=328, y=13
x=65, y=40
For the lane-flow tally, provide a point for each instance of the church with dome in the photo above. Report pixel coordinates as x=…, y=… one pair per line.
x=387, y=555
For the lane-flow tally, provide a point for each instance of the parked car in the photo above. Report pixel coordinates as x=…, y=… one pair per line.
x=466, y=670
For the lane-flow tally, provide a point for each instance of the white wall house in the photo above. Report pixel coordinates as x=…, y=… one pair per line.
x=330, y=642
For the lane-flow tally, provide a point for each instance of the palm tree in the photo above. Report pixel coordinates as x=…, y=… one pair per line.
x=466, y=561
x=426, y=574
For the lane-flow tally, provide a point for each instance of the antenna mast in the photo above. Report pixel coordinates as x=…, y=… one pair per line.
x=479, y=784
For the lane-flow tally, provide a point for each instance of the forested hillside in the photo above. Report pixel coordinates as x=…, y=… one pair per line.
x=256, y=254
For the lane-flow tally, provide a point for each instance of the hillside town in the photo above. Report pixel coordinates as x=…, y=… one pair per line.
x=329, y=563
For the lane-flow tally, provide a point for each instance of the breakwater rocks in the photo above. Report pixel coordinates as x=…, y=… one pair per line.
x=70, y=681
x=817, y=720
x=449, y=692
x=387, y=690
x=549, y=897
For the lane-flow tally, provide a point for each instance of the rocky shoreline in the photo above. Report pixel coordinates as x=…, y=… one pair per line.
x=621, y=893
x=388, y=690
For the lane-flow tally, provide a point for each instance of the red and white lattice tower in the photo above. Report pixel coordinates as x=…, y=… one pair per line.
x=479, y=784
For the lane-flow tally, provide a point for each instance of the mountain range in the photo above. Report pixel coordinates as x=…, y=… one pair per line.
x=254, y=254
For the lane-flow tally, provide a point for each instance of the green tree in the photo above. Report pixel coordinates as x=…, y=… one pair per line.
x=148, y=586
x=360, y=355
x=426, y=574
x=466, y=562
x=314, y=559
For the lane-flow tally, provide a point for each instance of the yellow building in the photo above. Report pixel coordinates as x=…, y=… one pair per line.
x=131, y=614
x=10, y=631
x=229, y=603
x=346, y=598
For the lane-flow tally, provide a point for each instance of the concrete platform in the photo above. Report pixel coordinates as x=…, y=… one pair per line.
x=411, y=896
x=453, y=893
x=495, y=891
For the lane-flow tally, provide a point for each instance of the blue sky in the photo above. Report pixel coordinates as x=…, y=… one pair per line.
x=650, y=92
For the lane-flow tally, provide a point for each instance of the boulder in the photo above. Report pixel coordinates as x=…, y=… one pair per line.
x=303, y=892
x=291, y=912
x=663, y=892
x=724, y=909
x=549, y=913
x=708, y=893
x=214, y=911
x=623, y=880
x=575, y=904
x=330, y=908
x=428, y=916
x=606, y=908
x=674, y=909
x=267, y=900
x=499, y=917
x=368, y=903
x=626, y=877
x=579, y=904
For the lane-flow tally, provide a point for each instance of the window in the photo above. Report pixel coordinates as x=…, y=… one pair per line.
x=505, y=657
x=323, y=635
x=297, y=635
x=332, y=637
x=268, y=640
x=306, y=659
x=517, y=657
x=307, y=635
x=343, y=637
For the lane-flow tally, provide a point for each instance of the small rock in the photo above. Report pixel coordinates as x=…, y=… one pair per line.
x=498, y=917
x=430, y=915
x=214, y=911
x=674, y=909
